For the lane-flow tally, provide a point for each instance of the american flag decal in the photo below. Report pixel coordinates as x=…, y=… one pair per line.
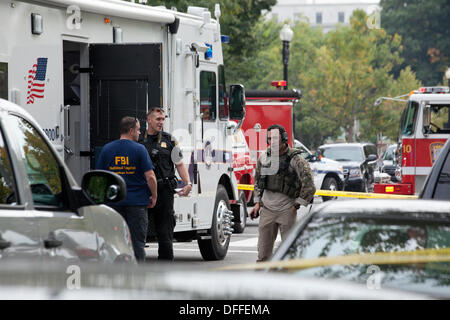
x=36, y=80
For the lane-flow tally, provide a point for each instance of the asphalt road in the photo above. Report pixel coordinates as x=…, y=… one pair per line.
x=242, y=249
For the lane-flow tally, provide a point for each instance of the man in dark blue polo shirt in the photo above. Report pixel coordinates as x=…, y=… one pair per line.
x=132, y=162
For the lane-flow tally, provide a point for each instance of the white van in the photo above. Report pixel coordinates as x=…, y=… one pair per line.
x=328, y=174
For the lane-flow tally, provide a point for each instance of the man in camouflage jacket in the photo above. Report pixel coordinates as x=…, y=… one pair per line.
x=283, y=182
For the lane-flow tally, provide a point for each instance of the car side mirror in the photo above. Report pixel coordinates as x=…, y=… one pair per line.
x=317, y=156
x=371, y=158
x=104, y=186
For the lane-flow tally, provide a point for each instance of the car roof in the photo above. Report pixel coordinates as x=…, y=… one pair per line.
x=408, y=209
x=8, y=106
x=432, y=97
x=350, y=144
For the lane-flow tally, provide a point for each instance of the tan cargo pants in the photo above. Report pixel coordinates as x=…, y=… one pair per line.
x=269, y=223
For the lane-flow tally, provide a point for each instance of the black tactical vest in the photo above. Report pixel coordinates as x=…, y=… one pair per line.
x=284, y=181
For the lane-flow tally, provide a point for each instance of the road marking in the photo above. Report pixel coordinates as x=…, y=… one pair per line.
x=252, y=242
x=197, y=250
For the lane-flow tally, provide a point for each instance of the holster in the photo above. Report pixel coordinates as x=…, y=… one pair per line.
x=171, y=182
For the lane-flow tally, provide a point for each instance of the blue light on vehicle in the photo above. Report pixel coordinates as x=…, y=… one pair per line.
x=225, y=39
x=209, y=52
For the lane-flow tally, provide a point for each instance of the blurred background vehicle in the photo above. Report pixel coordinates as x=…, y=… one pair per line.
x=44, y=214
x=98, y=282
x=390, y=161
x=328, y=174
x=358, y=161
x=400, y=244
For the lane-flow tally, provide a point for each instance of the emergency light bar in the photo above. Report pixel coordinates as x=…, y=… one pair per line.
x=209, y=52
x=225, y=39
x=434, y=90
x=278, y=84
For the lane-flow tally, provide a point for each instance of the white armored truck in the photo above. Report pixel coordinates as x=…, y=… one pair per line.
x=79, y=66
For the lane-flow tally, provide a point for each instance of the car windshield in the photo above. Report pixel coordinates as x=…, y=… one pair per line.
x=341, y=236
x=409, y=118
x=305, y=153
x=389, y=153
x=343, y=153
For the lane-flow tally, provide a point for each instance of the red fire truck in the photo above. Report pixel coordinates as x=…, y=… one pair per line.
x=424, y=129
x=264, y=108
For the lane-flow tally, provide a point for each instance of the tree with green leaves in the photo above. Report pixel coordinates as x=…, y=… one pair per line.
x=425, y=30
x=341, y=74
x=351, y=70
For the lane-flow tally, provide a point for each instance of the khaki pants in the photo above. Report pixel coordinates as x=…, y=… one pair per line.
x=269, y=223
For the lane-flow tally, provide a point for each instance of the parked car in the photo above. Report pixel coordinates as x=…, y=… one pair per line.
x=43, y=212
x=366, y=231
x=437, y=184
x=328, y=174
x=45, y=281
x=390, y=161
x=358, y=160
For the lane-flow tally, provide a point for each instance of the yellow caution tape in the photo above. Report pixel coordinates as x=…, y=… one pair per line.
x=333, y=193
x=246, y=187
x=406, y=257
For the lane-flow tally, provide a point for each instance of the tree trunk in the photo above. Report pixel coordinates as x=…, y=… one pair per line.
x=349, y=134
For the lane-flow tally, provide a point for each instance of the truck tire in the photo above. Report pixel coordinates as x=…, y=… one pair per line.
x=241, y=221
x=216, y=246
x=329, y=183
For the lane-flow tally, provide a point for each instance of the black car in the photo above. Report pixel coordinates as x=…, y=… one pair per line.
x=389, y=161
x=358, y=161
x=437, y=185
x=383, y=244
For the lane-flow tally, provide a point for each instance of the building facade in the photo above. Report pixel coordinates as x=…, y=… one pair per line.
x=324, y=13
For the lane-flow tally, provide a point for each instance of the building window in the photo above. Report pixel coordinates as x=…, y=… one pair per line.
x=318, y=17
x=341, y=17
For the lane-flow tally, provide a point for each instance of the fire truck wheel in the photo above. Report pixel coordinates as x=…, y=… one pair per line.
x=216, y=246
x=241, y=221
x=329, y=183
